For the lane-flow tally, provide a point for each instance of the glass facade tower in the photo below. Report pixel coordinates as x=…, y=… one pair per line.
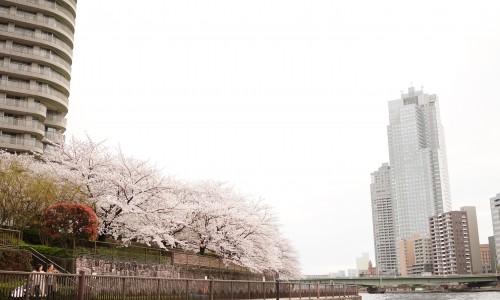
x=419, y=170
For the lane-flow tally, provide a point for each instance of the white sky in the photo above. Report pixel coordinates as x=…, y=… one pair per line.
x=287, y=100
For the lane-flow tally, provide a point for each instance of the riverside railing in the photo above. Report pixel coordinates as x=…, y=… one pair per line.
x=25, y=285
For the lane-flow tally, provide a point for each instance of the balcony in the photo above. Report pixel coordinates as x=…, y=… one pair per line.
x=16, y=105
x=22, y=125
x=52, y=22
x=42, y=73
x=51, y=6
x=20, y=144
x=37, y=55
x=43, y=90
x=37, y=37
x=56, y=121
x=54, y=137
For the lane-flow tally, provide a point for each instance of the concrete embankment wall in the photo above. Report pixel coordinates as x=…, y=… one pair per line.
x=123, y=268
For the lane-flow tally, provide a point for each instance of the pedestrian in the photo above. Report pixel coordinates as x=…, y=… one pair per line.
x=51, y=281
x=38, y=282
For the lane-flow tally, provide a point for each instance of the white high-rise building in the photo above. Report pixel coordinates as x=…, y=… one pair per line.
x=495, y=240
x=419, y=171
x=383, y=222
x=36, y=54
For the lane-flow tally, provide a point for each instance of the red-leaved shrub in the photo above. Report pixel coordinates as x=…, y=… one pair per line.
x=70, y=220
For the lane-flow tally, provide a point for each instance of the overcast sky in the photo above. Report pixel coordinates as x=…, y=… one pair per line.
x=287, y=100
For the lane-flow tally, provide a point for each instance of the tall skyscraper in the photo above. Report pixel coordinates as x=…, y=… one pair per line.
x=383, y=222
x=495, y=218
x=419, y=171
x=36, y=48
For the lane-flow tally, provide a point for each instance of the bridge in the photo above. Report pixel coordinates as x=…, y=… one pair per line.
x=381, y=281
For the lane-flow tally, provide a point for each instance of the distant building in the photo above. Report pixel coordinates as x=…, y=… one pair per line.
x=485, y=258
x=406, y=255
x=475, y=250
x=352, y=272
x=450, y=243
x=415, y=256
x=493, y=253
x=383, y=221
x=423, y=257
x=362, y=263
x=338, y=274
x=418, y=163
x=372, y=271
x=495, y=218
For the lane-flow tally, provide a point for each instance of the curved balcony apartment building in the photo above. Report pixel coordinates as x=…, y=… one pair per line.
x=36, y=46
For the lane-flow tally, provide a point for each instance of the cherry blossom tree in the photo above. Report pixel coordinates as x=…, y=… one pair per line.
x=134, y=200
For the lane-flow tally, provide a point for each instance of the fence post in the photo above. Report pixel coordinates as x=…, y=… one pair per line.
x=290, y=289
x=317, y=290
x=232, y=297
x=344, y=290
x=27, y=289
x=81, y=286
x=158, y=290
x=277, y=290
x=124, y=288
x=187, y=289
x=211, y=289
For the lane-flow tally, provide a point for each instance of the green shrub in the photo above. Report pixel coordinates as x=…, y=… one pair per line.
x=32, y=236
x=15, y=260
x=52, y=251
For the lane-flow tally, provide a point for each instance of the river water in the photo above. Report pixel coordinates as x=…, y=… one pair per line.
x=434, y=296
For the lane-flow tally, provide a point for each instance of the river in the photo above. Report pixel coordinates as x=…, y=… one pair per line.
x=434, y=296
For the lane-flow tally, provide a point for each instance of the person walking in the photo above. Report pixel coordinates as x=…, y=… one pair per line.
x=51, y=282
x=38, y=282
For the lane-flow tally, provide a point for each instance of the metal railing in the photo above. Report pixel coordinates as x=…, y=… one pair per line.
x=9, y=238
x=88, y=287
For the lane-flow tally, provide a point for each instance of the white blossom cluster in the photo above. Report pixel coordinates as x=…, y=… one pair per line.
x=136, y=202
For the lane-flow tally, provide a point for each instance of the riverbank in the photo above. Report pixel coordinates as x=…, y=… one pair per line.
x=446, y=291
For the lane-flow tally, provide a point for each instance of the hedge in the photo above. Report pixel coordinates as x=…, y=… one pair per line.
x=15, y=260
